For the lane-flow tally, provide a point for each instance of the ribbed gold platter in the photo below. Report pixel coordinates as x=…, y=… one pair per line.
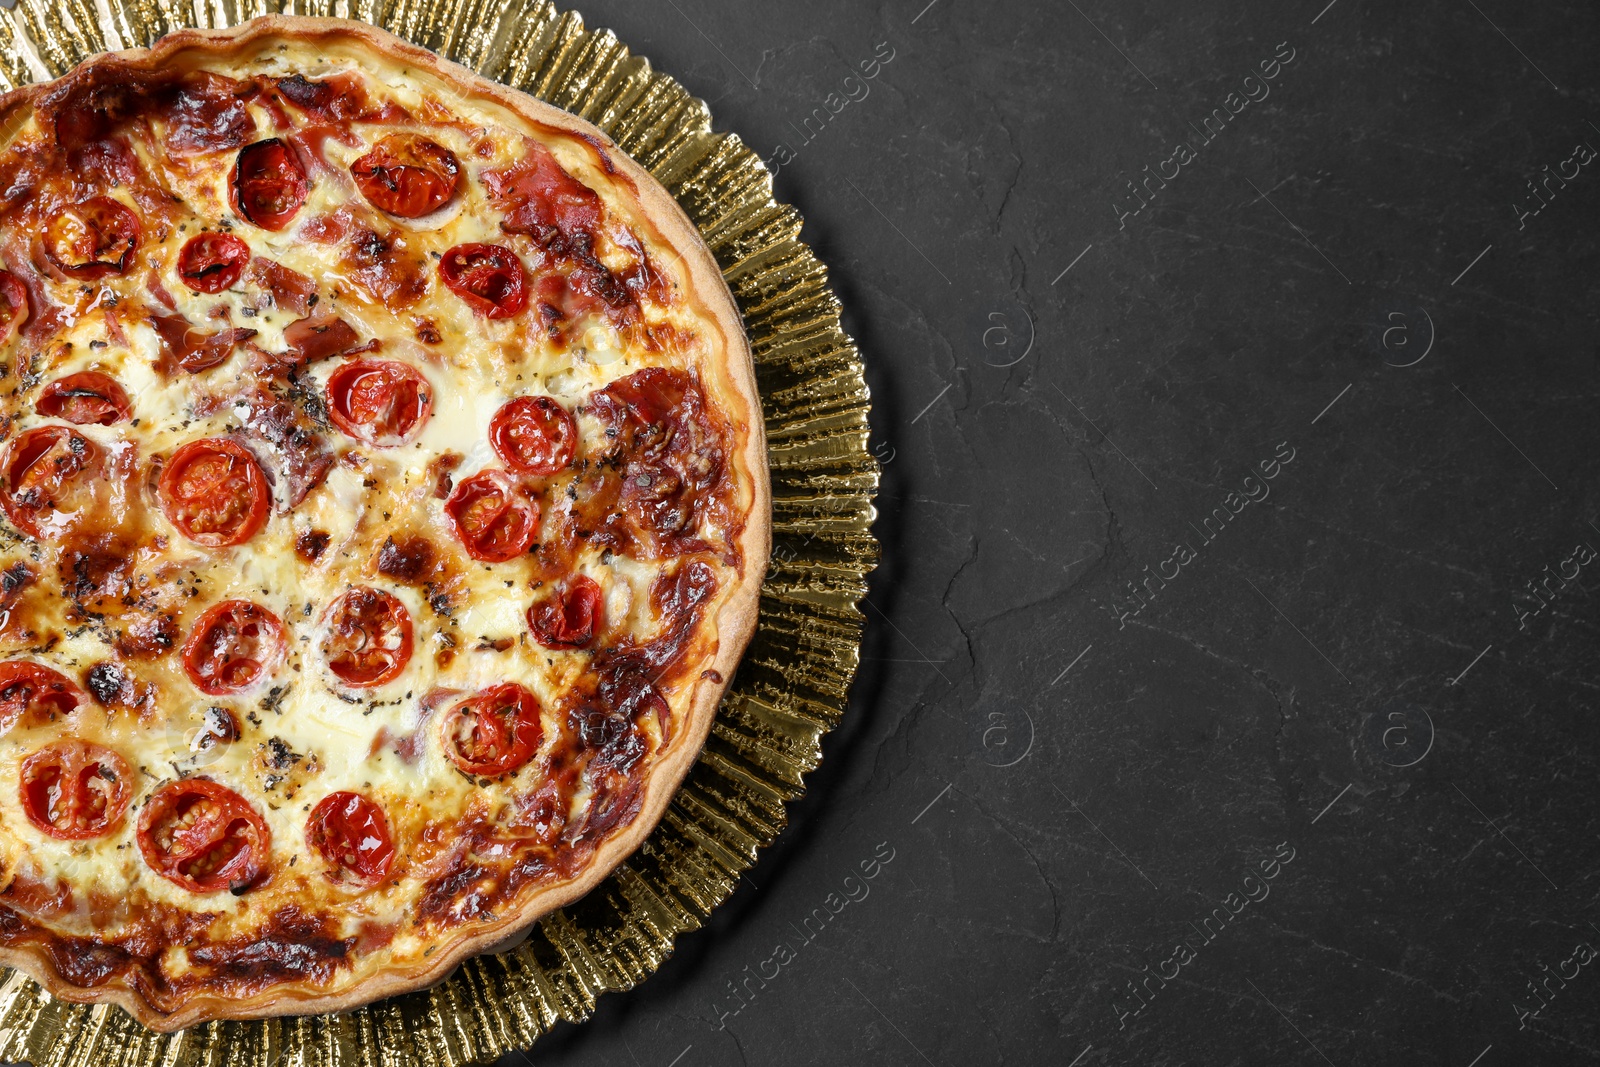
x=789, y=691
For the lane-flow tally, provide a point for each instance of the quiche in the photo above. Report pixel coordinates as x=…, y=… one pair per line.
x=385, y=510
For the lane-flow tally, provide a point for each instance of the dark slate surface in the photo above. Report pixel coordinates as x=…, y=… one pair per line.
x=1352, y=725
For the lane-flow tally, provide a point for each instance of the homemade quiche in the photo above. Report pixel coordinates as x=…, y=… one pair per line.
x=385, y=510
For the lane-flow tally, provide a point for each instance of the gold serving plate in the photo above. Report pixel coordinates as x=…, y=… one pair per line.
x=790, y=689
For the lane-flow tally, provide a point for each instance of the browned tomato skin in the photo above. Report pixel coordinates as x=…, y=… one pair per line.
x=379, y=401
x=92, y=239
x=268, y=184
x=212, y=262
x=234, y=646
x=15, y=306
x=75, y=790
x=490, y=278
x=28, y=493
x=88, y=398
x=369, y=639
x=232, y=477
x=200, y=818
x=407, y=175
x=352, y=835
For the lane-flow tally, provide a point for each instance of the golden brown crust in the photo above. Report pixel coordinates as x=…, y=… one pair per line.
x=734, y=392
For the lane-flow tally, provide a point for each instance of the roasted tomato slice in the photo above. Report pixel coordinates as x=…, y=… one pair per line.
x=407, y=175
x=15, y=307
x=84, y=399
x=268, y=184
x=49, y=474
x=234, y=645
x=75, y=790
x=368, y=640
x=351, y=833
x=214, y=492
x=492, y=518
x=379, y=401
x=212, y=262
x=203, y=837
x=34, y=695
x=494, y=732
x=490, y=278
x=533, y=435
x=92, y=239
x=570, y=616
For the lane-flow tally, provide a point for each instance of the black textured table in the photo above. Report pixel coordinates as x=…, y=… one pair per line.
x=1231, y=674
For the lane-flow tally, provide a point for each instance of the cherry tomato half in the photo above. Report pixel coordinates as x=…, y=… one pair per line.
x=379, y=401
x=75, y=790
x=494, y=732
x=48, y=476
x=407, y=175
x=84, y=399
x=533, y=435
x=268, y=184
x=491, y=517
x=234, y=645
x=92, y=239
x=490, y=278
x=203, y=836
x=15, y=306
x=212, y=262
x=570, y=616
x=351, y=833
x=369, y=637
x=214, y=492
x=34, y=695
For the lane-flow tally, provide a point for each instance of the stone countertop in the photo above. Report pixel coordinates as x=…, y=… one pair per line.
x=1230, y=678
